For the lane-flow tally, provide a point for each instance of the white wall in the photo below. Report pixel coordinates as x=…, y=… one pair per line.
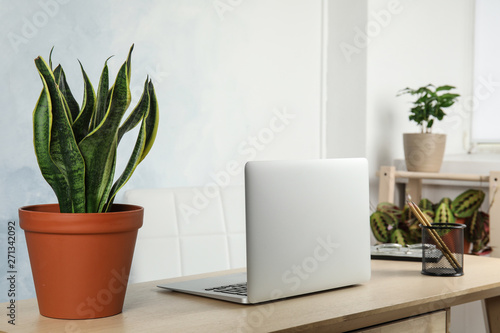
x=423, y=42
x=345, y=120
x=235, y=80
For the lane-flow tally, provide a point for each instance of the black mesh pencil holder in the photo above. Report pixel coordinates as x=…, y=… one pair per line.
x=443, y=249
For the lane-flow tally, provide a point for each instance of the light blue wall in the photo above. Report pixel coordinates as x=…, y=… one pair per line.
x=224, y=72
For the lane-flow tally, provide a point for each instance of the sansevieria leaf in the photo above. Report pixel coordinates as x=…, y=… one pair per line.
x=142, y=111
x=102, y=98
x=76, y=148
x=81, y=124
x=74, y=108
x=132, y=163
x=151, y=121
x=137, y=114
x=64, y=150
x=97, y=148
x=42, y=116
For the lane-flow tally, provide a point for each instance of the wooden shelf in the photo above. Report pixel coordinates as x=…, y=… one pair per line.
x=389, y=174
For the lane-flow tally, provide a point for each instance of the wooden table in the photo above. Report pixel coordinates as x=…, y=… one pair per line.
x=396, y=291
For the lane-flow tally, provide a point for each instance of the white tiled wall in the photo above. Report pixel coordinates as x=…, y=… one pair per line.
x=188, y=231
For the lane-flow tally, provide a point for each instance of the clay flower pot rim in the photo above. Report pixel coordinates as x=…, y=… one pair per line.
x=46, y=218
x=54, y=208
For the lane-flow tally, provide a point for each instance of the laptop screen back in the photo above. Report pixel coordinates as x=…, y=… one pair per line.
x=307, y=226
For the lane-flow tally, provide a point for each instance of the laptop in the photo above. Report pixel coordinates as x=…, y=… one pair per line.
x=307, y=230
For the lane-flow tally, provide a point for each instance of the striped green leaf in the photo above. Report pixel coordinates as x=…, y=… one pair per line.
x=42, y=119
x=96, y=147
x=82, y=122
x=132, y=163
x=152, y=121
x=60, y=78
x=102, y=102
x=63, y=149
x=107, y=190
x=137, y=114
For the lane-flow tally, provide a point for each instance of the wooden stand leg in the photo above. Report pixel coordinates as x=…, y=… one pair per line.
x=494, y=211
x=492, y=310
x=414, y=188
x=386, y=186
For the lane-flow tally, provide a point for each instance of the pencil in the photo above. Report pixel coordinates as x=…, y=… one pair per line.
x=437, y=239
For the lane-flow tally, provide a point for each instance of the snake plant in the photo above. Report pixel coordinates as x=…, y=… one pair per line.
x=76, y=147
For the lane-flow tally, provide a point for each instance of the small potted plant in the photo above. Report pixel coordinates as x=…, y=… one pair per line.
x=81, y=248
x=424, y=151
x=391, y=224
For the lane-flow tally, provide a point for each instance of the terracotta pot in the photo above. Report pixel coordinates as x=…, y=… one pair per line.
x=467, y=244
x=80, y=262
x=424, y=152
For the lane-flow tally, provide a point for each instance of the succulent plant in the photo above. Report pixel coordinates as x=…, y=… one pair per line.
x=76, y=147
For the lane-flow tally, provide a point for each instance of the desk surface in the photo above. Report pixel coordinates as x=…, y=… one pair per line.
x=396, y=290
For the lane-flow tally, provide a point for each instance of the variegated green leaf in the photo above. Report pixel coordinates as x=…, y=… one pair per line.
x=137, y=114
x=42, y=120
x=129, y=63
x=152, y=121
x=131, y=165
x=50, y=58
x=109, y=185
x=145, y=138
x=63, y=147
x=102, y=102
x=60, y=78
x=96, y=148
x=82, y=122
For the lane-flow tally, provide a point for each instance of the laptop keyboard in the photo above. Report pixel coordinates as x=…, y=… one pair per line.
x=234, y=289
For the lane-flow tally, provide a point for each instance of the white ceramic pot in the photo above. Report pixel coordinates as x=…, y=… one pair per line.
x=424, y=152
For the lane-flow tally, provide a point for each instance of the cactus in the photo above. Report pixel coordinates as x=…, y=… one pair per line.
x=467, y=203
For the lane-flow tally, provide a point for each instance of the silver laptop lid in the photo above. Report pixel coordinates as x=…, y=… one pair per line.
x=307, y=226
